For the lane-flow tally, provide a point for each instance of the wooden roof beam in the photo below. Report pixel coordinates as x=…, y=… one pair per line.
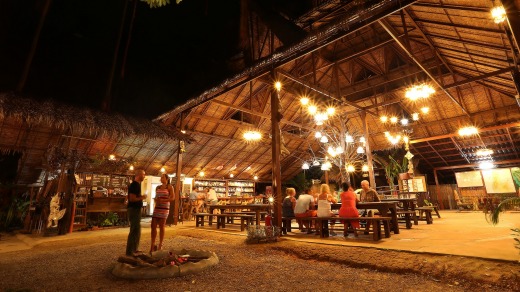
x=462, y=154
x=319, y=90
x=512, y=8
x=453, y=7
x=319, y=39
x=492, y=128
x=393, y=34
x=267, y=117
x=478, y=78
x=512, y=161
x=476, y=29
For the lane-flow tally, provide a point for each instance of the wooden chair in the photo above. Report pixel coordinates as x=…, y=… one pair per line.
x=460, y=204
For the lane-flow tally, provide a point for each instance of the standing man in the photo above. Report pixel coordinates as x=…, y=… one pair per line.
x=135, y=204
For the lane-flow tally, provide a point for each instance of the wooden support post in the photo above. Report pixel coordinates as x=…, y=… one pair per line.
x=438, y=189
x=368, y=152
x=275, y=147
x=174, y=208
x=326, y=177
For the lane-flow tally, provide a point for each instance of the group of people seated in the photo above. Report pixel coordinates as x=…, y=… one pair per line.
x=197, y=200
x=305, y=205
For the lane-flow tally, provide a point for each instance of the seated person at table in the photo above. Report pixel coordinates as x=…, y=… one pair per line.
x=305, y=208
x=368, y=195
x=314, y=194
x=211, y=196
x=348, y=207
x=196, y=200
x=289, y=203
x=324, y=201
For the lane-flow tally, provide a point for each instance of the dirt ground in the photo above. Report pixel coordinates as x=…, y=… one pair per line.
x=84, y=264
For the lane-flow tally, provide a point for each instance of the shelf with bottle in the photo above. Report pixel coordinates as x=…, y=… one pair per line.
x=241, y=183
x=210, y=183
x=232, y=189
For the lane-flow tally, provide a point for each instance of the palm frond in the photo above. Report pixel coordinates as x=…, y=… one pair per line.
x=503, y=206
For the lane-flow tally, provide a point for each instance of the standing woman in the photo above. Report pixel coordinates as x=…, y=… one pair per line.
x=163, y=197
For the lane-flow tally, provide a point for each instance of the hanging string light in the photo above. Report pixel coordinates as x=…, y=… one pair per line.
x=498, y=13
x=419, y=91
x=252, y=136
x=468, y=131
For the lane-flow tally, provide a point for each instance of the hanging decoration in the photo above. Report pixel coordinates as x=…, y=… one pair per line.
x=342, y=149
x=55, y=213
x=159, y=3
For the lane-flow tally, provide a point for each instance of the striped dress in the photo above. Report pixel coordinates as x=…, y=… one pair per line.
x=161, y=210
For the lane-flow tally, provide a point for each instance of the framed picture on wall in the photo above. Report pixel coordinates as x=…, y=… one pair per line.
x=498, y=181
x=515, y=172
x=468, y=179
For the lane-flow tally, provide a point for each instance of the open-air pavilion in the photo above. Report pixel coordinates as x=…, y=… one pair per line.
x=266, y=123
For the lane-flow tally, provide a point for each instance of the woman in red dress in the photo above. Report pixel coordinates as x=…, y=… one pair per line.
x=348, y=206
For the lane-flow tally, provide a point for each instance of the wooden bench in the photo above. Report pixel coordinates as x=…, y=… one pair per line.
x=426, y=211
x=322, y=225
x=245, y=220
x=408, y=215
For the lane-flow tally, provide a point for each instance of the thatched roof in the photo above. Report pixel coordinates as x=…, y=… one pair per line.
x=453, y=45
x=35, y=128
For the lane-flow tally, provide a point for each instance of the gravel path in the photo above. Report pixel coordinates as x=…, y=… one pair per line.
x=85, y=265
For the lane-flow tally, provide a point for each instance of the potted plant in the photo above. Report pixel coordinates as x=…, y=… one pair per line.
x=395, y=169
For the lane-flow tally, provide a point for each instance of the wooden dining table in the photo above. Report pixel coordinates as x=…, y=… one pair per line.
x=386, y=209
x=407, y=204
x=257, y=208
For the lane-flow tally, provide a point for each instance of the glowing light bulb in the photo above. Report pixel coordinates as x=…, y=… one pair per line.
x=364, y=168
x=278, y=85
x=415, y=116
x=255, y=177
x=468, y=131
x=404, y=121
x=384, y=119
x=498, y=13
x=425, y=110
x=312, y=109
x=324, y=139
x=349, y=139
x=331, y=111
x=201, y=174
x=393, y=120
x=304, y=100
x=351, y=168
x=318, y=135
x=305, y=166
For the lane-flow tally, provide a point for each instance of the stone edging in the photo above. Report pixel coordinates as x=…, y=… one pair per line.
x=127, y=271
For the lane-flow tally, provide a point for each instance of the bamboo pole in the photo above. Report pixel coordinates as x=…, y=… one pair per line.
x=368, y=152
x=275, y=147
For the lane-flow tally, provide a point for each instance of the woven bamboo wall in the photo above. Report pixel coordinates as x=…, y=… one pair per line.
x=444, y=199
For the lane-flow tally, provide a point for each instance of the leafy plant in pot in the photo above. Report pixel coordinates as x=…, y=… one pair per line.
x=395, y=169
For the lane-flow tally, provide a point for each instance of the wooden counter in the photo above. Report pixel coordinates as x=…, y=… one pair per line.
x=106, y=204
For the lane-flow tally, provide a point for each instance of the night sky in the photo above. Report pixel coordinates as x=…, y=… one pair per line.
x=175, y=51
